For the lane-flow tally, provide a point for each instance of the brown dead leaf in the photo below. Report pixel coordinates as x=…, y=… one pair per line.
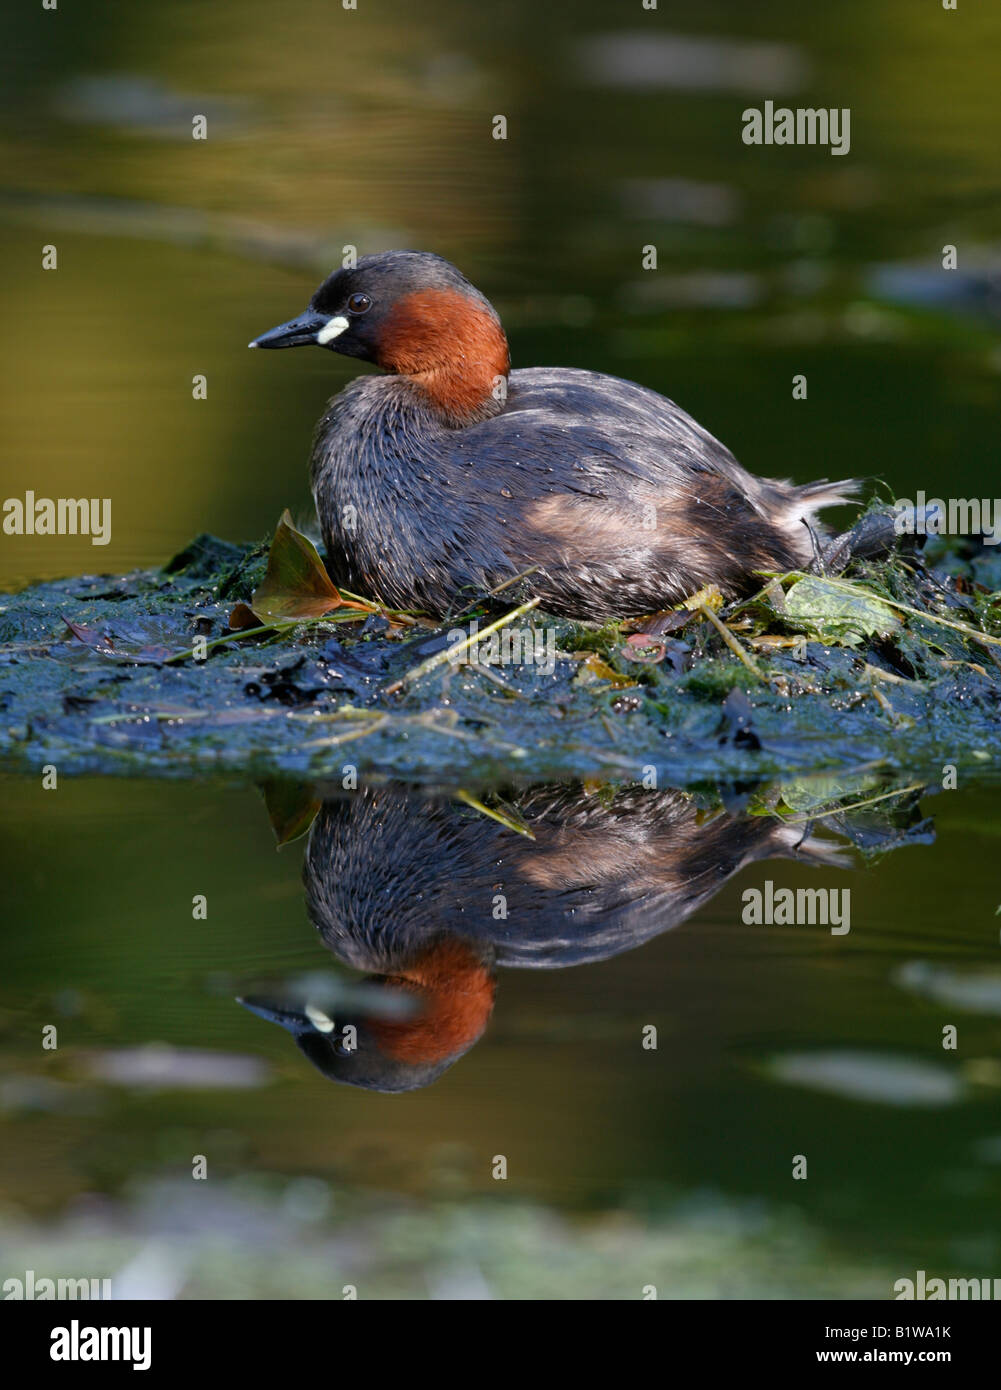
x=291, y=807
x=644, y=648
x=295, y=585
x=243, y=616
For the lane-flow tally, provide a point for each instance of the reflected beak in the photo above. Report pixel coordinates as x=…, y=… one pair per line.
x=295, y=1020
x=311, y=1028
x=296, y=333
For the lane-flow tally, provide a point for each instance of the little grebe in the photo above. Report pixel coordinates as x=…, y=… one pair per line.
x=454, y=474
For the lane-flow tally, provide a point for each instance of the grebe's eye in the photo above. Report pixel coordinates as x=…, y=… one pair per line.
x=358, y=303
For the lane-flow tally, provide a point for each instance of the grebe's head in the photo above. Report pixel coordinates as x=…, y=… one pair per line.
x=415, y=315
x=447, y=990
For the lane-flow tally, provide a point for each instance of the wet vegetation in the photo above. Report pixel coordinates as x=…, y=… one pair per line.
x=248, y=660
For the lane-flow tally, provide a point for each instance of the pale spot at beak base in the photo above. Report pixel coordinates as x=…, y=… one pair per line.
x=332, y=329
x=322, y=1022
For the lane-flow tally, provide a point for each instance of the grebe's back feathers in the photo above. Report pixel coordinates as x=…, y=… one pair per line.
x=632, y=504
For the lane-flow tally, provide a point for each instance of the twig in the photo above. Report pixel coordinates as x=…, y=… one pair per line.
x=731, y=641
x=818, y=555
x=378, y=610
x=509, y=823
x=484, y=669
x=343, y=712
x=278, y=626
x=336, y=739
x=492, y=593
x=151, y=714
x=450, y=653
x=230, y=637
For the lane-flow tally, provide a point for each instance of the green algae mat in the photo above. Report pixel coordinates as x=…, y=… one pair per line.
x=247, y=662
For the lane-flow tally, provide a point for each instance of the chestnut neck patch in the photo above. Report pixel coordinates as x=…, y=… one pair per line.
x=453, y=348
x=455, y=994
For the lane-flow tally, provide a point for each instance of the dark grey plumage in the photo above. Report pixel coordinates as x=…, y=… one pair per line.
x=453, y=474
x=623, y=502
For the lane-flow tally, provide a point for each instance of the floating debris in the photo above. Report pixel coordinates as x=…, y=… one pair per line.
x=972, y=991
x=159, y=1067
x=869, y=1076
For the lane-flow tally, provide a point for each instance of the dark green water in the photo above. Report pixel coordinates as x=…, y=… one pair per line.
x=372, y=128
x=902, y=1136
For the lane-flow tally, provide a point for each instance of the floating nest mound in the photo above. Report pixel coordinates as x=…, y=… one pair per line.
x=246, y=661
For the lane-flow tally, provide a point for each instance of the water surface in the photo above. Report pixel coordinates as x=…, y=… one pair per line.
x=771, y=1042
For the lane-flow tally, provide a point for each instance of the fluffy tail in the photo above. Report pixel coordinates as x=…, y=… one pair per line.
x=799, y=508
x=802, y=842
x=806, y=501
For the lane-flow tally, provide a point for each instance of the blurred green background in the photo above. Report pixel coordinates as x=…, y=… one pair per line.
x=330, y=127
x=372, y=128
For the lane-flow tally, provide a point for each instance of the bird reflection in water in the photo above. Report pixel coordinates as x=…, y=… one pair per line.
x=430, y=898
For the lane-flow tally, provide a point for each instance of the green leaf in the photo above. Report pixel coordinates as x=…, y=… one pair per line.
x=810, y=793
x=837, y=614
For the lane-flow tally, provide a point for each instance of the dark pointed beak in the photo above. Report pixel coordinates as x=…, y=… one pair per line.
x=296, y=333
x=295, y=1020
x=313, y=1037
